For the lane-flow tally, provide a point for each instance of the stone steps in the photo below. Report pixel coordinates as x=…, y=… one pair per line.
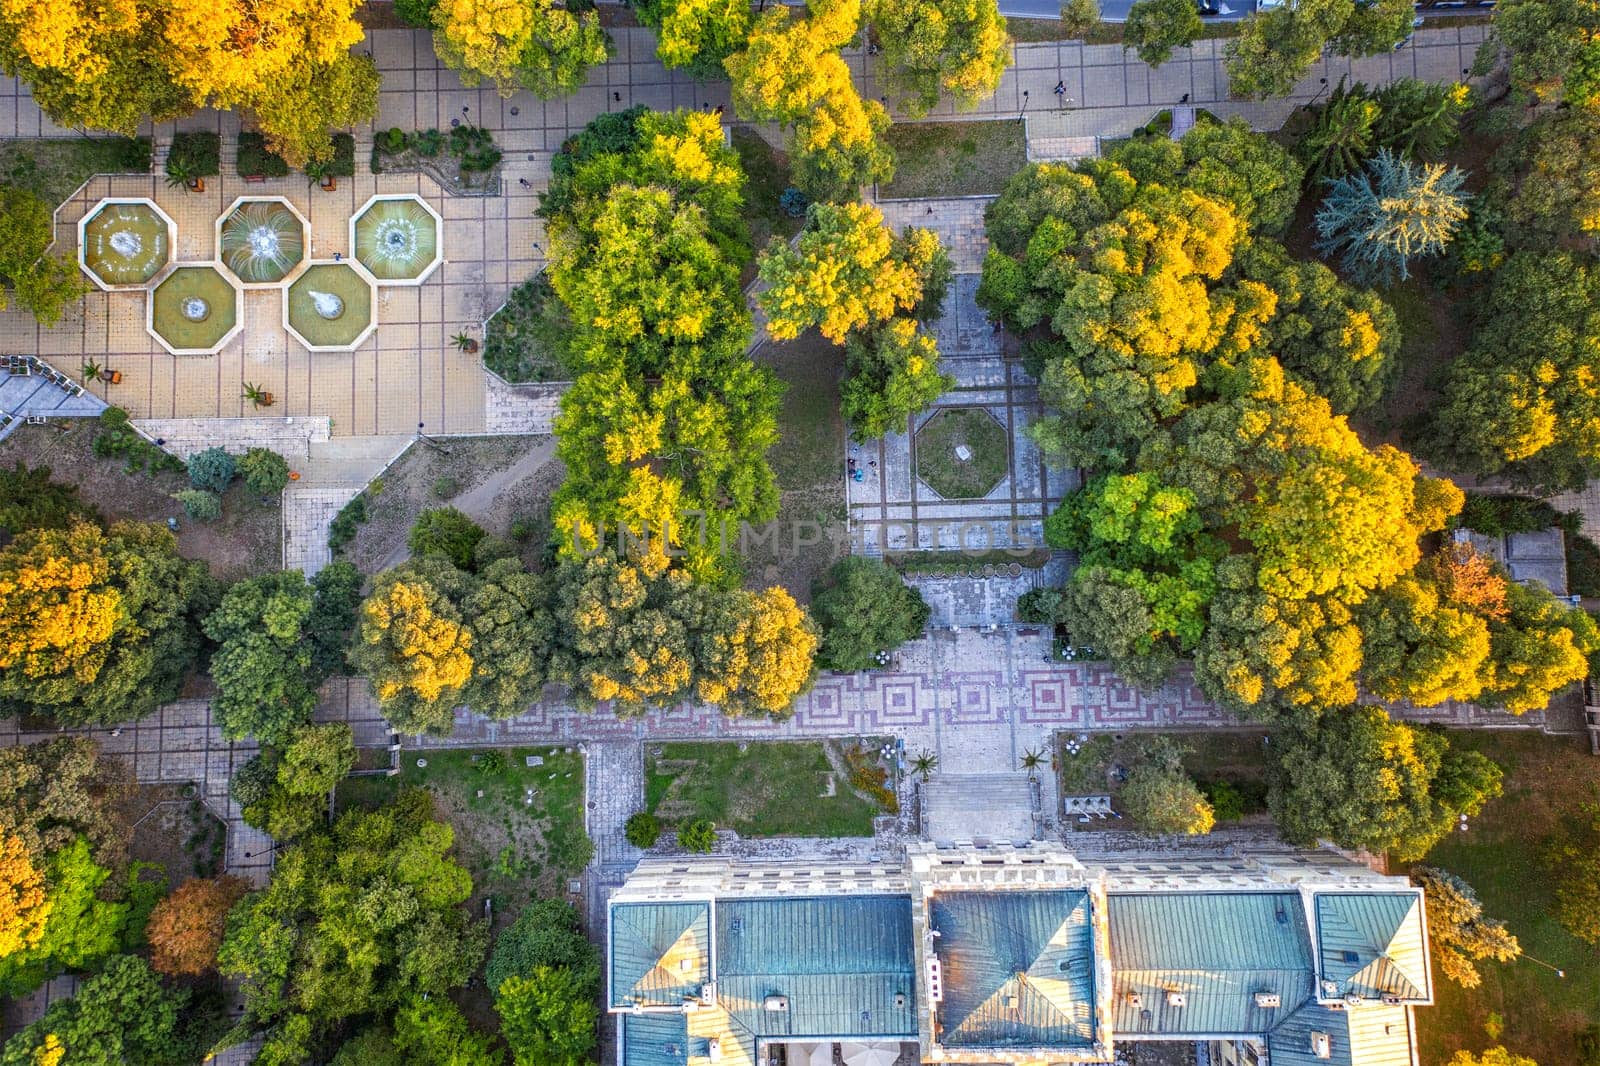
x=996, y=806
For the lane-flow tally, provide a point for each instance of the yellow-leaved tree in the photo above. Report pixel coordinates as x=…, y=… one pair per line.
x=58, y=606
x=412, y=645
x=848, y=272
x=112, y=63
x=24, y=907
x=534, y=44
x=765, y=660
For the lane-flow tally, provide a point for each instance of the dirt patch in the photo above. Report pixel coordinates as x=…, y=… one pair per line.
x=173, y=829
x=249, y=532
x=498, y=481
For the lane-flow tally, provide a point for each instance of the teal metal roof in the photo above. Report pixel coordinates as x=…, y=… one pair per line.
x=1017, y=968
x=840, y=962
x=1371, y=944
x=1217, y=948
x=1366, y=1036
x=659, y=952
x=656, y=1040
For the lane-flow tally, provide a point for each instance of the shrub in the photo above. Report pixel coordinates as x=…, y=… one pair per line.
x=211, y=469
x=255, y=161
x=699, y=835
x=392, y=140
x=1162, y=799
x=133, y=155
x=427, y=143
x=794, y=202
x=417, y=13
x=491, y=763
x=1041, y=606
x=1497, y=515
x=263, y=470
x=202, y=506
x=446, y=531
x=474, y=149
x=1227, y=802
x=1583, y=565
x=342, y=530
x=343, y=163
x=445, y=487
x=643, y=829
x=197, y=154
x=30, y=500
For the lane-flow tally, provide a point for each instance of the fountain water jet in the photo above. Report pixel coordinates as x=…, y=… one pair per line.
x=261, y=241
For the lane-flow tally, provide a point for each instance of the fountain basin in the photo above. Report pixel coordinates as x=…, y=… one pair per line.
x=399, y=239
x=330, y=307
x=261, y=240
x=125, y=243
x=194, y=311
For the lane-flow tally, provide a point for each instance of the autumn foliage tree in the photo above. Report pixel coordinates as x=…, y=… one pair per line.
x=540, y=45
x=696, y=34
x=934, y=48
x=847, y=273
x=185, y=928
x=413, y=646
x=110, y=66
x=97, y=626
x=890, y=373
x=24, y=907
x=1458, y=930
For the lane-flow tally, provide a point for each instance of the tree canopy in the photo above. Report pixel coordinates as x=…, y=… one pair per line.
x=539, y=45
x=41, y=283
x=865, y=608
x=1458, y=930
x=934, y=48
x=356, y=922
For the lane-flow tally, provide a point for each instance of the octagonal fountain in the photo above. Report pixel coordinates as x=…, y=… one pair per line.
x=261, y=240
x=397, y=238
x=194, y=311
x=123, y=244
x=329, y=308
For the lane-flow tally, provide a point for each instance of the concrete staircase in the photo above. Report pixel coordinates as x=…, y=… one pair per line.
x=996, y=807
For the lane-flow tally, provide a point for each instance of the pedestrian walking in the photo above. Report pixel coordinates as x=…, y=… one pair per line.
x=1185, y=99
x=1061, y=88
x=525, y=183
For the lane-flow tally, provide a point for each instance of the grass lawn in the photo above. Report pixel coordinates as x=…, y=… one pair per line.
x=808, y=461
x=962, y=453
x=769, y=789
x=1547, y=780
x=767, y=174
x=512, y=847
x=954, y=158
x=53, y=169
x=526, y=338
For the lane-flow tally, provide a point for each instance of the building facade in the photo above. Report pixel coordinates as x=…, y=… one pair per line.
x=1016, y=954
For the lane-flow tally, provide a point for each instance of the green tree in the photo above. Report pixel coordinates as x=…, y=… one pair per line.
x=548, y=1016
x=957, y=48
x=546, y=935
x=278, y=639
x=1458, y=930
x=1224, y=161
x=1341, y=341
x=864, y=608
x=1395, y=211
x=697, y=34
x=1363, y=781
x=1156, y=27
x=81, y=929
x=30, y=500
x=699, y=836
x=890, y=374
x=643, y=829
x=513, y=633
x=1555, y=48
x=42, y=284
x=434, y=1032
x=1518, y=403
x=313, y=760
x=1341, y=134
x=202, y=505
x=1374, y=28
x=446, y=532
x=1546, y=181
x=123, y=1014
x=1420, y=119
x=1078, y=17
x=1164, y=799
x=212, y=470
x=264, y=471
x=358, y=919
x=1275, y=48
